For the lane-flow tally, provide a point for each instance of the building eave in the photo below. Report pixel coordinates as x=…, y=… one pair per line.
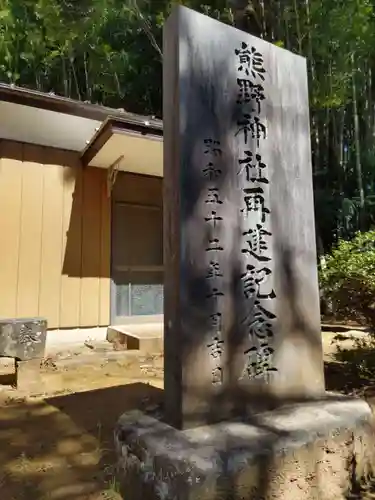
x=59, y=104
x=129, y=150
x=101, y=137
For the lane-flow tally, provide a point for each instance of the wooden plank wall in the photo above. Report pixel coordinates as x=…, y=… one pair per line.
x=54, y=237
x=138, y=189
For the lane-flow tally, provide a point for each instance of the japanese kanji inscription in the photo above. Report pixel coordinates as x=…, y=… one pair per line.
x=241, y=310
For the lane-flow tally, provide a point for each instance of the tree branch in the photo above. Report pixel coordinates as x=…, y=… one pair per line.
x=147, y=28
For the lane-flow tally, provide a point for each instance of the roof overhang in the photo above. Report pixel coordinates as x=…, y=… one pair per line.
x=129, y=150
x=43, y=127
x=101, y=136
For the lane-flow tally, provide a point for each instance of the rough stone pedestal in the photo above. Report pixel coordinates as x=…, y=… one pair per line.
x=315, y=450
x=28, y=376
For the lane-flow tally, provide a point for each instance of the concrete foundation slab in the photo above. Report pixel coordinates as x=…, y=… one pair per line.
x=145, y=337
x=312, y=450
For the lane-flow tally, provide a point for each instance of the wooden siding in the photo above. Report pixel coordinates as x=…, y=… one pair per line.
x=55, y=237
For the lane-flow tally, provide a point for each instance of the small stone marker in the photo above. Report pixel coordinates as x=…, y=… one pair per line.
x=241, y=292
x=23, y=338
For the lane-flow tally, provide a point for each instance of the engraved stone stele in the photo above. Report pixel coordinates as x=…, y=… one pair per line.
x=241, y=315
x=236, y=126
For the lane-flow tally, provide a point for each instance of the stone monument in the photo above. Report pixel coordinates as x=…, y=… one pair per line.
x=244, y=384
x=239, y=222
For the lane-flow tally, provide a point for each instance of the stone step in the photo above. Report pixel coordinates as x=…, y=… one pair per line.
x=145, y=337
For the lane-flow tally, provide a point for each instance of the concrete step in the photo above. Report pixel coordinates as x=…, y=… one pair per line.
x=145, y=337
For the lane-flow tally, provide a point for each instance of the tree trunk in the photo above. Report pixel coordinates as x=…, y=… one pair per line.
x=245, y=17
x=358, y=165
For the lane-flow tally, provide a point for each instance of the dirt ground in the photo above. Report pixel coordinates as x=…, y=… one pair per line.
x=59, y=445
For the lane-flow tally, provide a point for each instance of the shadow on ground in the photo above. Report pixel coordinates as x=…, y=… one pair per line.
x=61, y=448
x=8, y=380
x=352, y=371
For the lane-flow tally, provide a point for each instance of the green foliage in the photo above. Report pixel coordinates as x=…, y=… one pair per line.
x=335, y=40
x=95, y=50
x=348, y=278
x=101, y=50
x=105, y=51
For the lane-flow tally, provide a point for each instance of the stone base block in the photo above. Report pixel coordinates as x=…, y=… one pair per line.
x=147, y=338
x=306, y=451
x=28, y=376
